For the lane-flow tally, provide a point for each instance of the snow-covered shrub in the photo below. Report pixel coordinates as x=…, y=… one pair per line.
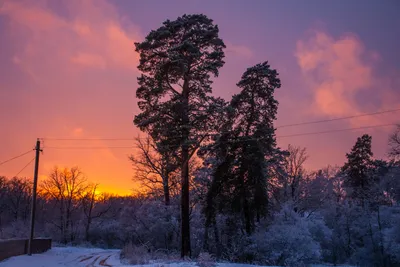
x=154, y=223
x=234, y=245
x=390, y=221
x=197, y=223
x=135, y=255
x=16, y=229
x=241, y=249
x=347, y=224
x=288, y=241
x=108, y=235
x=364, y=236
x=392, y=244
x=322, y=234
x=205, y=259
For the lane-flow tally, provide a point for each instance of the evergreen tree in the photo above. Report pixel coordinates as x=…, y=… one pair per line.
x=245, y=148
x=358, y=168
x=177, y=61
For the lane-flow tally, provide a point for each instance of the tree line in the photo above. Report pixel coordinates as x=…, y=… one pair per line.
x=67, y=205
x=339, y=214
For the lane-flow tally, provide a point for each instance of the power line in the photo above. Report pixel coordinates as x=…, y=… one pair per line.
x=178, y=136
x=25, y=167
x=99, y=147
x=23, y=154
x=119, y=139
x=90, y=139
x=341, y=118
x=338, y=130
x=243, y=140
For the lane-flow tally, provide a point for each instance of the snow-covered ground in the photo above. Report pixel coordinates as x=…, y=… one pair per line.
x=67, y=256
x=91, y=257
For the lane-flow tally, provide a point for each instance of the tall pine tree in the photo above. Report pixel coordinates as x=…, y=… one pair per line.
x=177, y=61
x=357, y=169
x=243, y=151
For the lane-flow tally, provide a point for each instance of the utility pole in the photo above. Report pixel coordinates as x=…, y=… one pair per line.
x=33, y=208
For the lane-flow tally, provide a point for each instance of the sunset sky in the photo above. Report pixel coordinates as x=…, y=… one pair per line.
x=68, y=70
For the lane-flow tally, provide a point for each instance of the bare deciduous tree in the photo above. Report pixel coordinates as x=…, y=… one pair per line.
x=94, y=206
x=66, y=187
x=20, y=191
x=155, y=168
x=394, y=144
x=3, y=196
x=295, y=170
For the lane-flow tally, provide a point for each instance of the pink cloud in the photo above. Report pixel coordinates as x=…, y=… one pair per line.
x=89, y=60
x=337, y=72
x=92, y=38
x=239, y=50
x=36, y=18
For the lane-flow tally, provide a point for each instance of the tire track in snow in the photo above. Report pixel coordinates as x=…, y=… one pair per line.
x=86, y=258
x=96, y=259
x=93, y=259
x=103, y=262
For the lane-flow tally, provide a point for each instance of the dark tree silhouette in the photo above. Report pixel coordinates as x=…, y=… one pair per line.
x=243, y=152
x=94, y=206
x=155, y=167
x=20, y=197
x=66, y=187
x=358, y=167
x=394, y=144
x=294, y=168
x=177, y=61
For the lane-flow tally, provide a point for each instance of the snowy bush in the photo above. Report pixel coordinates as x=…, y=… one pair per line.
x=154, y=223
x=234, y=245
x=240, y=249
x=16, y=229
x=135, y=255
x=363, y=236
x=322, y=234
x=197, y=231
x=205, y=259
x=392, y=243
x=287, y=241
x=108, y=235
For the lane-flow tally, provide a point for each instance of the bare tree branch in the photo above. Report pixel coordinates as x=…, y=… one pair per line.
x=394, y=144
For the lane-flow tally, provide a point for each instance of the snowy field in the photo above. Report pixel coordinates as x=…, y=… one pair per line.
x=92, y=257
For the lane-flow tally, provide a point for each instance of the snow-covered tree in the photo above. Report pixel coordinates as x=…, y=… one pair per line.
x=389, y=184
x=319, y=189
